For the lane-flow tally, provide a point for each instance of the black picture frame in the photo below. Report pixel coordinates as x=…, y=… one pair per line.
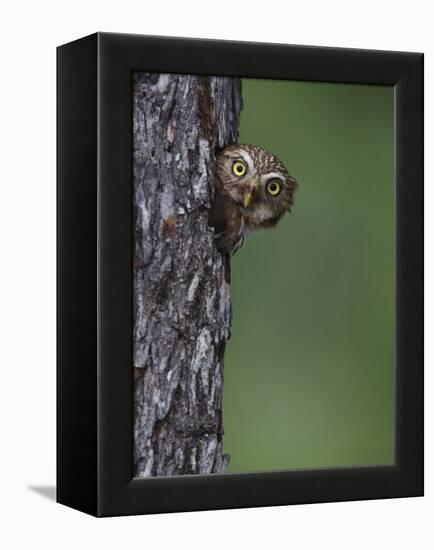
x=94, y=374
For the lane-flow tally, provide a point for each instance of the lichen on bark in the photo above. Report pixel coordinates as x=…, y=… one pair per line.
x=182, y=307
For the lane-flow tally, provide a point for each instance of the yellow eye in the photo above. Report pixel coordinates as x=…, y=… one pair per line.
x=239, y=168
x=274, y=187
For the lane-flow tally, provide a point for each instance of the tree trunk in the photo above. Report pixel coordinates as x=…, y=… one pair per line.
x=182, y=307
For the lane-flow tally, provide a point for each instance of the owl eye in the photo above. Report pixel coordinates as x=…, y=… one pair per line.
x=274, y=187
x=239, y=168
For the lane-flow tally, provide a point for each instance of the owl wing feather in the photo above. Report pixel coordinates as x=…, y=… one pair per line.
x=217, y=214
x=226, y=243
x=228, y=224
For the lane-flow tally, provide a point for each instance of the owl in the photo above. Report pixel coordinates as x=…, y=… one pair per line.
x=253, y=190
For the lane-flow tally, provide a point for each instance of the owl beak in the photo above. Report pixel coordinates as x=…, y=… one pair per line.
x=249, y=192
x=247, y=198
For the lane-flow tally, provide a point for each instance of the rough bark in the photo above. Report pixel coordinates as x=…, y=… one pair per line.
x=182, y=306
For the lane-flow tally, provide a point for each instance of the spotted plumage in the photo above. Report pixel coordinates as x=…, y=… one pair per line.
x=253, y=191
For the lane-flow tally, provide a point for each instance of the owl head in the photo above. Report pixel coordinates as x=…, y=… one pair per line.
x=257, y=182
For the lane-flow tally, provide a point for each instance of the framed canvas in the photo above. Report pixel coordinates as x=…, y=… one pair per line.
x=240, y=274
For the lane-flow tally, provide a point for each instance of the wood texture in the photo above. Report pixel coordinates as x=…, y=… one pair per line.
x=182, y=307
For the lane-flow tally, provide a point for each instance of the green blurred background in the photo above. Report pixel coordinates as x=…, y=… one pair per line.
x=310, y=367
